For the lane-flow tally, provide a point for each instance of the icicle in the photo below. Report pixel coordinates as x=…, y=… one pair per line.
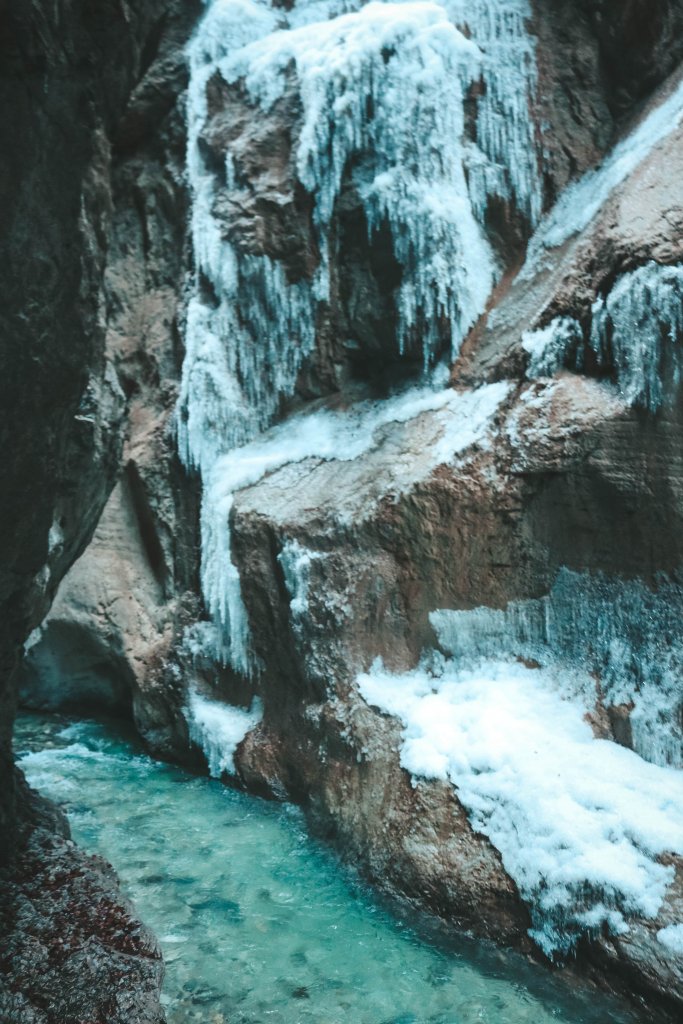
x=382, y=92
x=637, y=329
x=589, y=627
x=635, y=335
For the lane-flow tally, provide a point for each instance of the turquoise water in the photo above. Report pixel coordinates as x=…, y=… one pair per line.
x=257, y=921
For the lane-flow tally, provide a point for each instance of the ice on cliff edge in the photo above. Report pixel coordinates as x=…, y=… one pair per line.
x=383, y=89
x=580, y=823
x=635, y=337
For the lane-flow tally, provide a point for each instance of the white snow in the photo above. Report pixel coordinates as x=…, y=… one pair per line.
x=219, y=729
x=587, y=628
x=579, y=822
x=672, y=938
x=582, y=200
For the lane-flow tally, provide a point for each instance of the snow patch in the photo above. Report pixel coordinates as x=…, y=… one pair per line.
x=589, y=627
x=579, y=822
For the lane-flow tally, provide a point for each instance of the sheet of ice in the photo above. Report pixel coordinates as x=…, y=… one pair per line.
x=219, y=729
x=579, y=822
x=329, y=435
x=582, y=200
x=589, y=627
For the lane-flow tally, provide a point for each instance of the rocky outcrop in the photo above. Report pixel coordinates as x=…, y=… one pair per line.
x=109, y=639
x=69, y=74
x=72, y=948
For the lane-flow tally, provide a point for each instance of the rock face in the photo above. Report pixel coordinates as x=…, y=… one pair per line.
x=334, y=538
x=72, y=948
x=69, y=75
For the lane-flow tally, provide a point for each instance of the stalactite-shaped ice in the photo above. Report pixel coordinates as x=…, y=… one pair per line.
x=636, y=335
x=383, y=88
x=638, y=330
x=505, y=131
x=589, y=628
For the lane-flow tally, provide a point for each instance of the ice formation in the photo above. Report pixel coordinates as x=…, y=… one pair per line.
x=582, y=200
x=329, y=435
x=550, y=348
x=296, y=562
x=638, y=330
x=219, y=729
x=590, y=627
x=382, y=88
x=579, y=822
x=635, y=334
x=671, y=938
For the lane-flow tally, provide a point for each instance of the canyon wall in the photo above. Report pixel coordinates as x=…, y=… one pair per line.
x=81, y=85
x=361, y=532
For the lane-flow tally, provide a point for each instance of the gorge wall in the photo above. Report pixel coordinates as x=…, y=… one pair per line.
x=79, y=87
x=421, y=363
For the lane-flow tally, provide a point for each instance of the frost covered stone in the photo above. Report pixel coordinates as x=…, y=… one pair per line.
x=324, y=434
x=636, y=336
x=580, y=823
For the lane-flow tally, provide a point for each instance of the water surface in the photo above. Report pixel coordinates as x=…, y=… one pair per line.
x=259, y=924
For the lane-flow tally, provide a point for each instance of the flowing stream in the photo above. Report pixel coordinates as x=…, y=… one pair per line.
x=258, y=922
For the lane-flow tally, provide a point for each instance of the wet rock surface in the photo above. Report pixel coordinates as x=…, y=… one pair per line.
x=72, y=949
x=68, y=72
